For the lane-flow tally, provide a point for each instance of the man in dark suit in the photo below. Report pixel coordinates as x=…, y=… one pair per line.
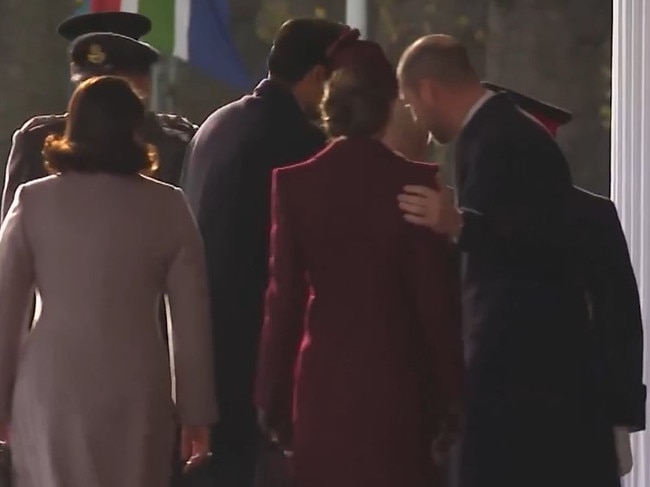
x=535, y=414
x=129, y=58
x=228, y=183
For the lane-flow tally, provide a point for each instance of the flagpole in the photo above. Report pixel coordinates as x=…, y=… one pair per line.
x=356, y=15
x=163, y=85
x=154, y=99
x=170, y=91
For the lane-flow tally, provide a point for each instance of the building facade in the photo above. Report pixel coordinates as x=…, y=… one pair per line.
x=630, y=182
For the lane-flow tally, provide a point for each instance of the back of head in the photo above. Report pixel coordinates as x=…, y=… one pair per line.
x=360, y=93
x=300, y=45
x=439, y=83
x=105, y=117
x=438, y=57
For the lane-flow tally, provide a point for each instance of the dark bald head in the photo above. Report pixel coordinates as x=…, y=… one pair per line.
x=437, y=57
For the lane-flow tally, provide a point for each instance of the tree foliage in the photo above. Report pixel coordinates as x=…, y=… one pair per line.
x=558, y=50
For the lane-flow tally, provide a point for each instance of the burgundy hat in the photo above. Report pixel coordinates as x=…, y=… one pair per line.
x=350, y=51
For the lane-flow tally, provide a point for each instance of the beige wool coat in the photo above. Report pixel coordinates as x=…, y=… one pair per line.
x=88, y=392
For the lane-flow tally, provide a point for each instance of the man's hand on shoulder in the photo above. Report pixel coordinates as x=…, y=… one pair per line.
x=451, y=428
x=43, y=122
x=278, y=431
x=433, y=208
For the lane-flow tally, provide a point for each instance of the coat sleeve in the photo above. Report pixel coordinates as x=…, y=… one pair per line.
x=618, y=322
x=190, y=322
x=514, y=202
x=25, y=162
x=286, y=300
x=17, y=169
x=16, y=295
x=433, y=277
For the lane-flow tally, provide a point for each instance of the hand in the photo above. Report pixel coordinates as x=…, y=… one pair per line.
x=433, y=208
x=623, y=446
x=279, y=432
x=4, y=433
x=195, y=445
x=450, y=430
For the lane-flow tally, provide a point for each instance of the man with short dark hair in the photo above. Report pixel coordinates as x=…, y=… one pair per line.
x=127, y=57
x=535, y=414
x=228, y=182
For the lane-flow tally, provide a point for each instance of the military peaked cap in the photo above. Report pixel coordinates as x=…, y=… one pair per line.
x=105, y=53
x=124, y=23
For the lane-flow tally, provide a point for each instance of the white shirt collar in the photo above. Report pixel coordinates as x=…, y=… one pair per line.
x=477, y=106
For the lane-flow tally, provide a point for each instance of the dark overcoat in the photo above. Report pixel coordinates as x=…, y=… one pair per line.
x=227, y=180
x=535, y=416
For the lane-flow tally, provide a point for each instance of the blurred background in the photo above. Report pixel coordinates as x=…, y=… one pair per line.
x=556, y=50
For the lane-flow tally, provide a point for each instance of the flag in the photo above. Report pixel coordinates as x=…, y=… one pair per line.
x=196, y=31
x=82, y=7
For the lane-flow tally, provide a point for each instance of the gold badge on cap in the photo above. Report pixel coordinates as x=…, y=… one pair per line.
x=96, y=54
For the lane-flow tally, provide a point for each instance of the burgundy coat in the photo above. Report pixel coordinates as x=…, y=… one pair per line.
x=362, y=331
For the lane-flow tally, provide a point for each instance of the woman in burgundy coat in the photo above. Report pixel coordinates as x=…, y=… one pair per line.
x=361, y=348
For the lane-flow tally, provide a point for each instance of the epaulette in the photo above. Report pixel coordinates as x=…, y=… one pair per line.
x=42, y=121
x=176, y=125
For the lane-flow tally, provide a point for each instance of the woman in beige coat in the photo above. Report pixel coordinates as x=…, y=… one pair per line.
x=86, y=396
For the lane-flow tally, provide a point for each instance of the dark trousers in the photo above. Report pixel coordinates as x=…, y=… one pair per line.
x=232, y=464
x=565, y=446
x=273, y=468
x=234, y=446
x=177, y=464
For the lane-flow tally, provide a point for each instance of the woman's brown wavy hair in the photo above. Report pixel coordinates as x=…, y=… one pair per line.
x=105, y=118
x=359, y=95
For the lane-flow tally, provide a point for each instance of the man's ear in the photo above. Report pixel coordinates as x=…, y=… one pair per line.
x=427, y=91
x=319, y=73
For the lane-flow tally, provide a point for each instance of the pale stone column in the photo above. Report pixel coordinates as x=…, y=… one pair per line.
x=631, y=169
x=356, y=15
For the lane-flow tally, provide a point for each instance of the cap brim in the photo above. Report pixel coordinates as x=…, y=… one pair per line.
x=559, y=115
x=128, y=24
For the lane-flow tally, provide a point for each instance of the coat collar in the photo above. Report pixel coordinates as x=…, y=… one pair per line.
x=279, y=94
x=487, y=112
